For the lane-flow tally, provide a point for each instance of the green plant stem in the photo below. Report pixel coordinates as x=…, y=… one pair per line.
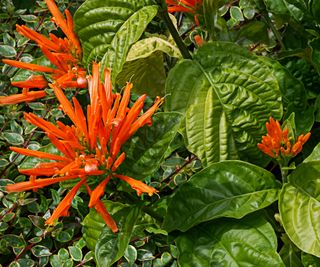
x=173, y=31
x=274, y=30
x=284, y=171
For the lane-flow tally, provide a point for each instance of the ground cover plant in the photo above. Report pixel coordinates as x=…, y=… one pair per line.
x=160, y=133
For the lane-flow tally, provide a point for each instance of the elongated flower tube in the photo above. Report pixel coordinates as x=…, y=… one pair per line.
x=277, y=144
x=188, y=6
x=63, y=54
x=90, y=146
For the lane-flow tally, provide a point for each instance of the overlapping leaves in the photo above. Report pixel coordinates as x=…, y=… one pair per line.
x=227, y=95
x=107, y=29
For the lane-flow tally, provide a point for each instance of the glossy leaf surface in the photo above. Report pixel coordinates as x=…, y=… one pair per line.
x=299, y=205
x=227, y=94
x=225, y=189
x=248, y=242
x=107, y=29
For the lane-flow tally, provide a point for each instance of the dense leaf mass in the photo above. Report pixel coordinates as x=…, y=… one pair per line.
x=221, y=169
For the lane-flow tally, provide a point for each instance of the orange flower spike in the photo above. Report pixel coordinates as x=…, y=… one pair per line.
x=108, y=88
x=19, y=98
x=145, y=118
x=44, y=125
x=118, y=161
x=123, y=134
x=297, y=147
x=66, y=105
x=34, y=81
x=276, y=143
x=37, y=37
x=137, y=185
x=62, y=23
x=266, y=150
x=30, y=66
x=93, y=86
x=38, y=154
x=36, y=184
x=124, y=102
x=198, y=39
x=101, y=209
x=64, y=205
x=98, y=192
x=59, y=145
x=82, y=122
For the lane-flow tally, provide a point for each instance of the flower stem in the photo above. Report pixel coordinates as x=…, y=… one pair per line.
x=173, y=31
x=284, y=170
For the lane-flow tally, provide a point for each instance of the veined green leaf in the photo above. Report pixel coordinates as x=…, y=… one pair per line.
x=227, y=94
x=225, y=189
x=249, y=242
x=299, y=206
x=146, y=47
x=146, y=73
x=107, y=29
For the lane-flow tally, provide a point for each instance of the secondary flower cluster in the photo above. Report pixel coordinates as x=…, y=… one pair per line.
x=188, y=6
x=277, y=143
x=63, y=54
x=90, y=146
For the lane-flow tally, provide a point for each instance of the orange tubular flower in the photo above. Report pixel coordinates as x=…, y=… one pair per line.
x=64, y=55
x=276, y=143
x=189, y=6
x=90, y=146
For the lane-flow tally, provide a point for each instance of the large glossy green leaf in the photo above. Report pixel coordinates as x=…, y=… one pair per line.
x=227, y=94
x=146, y=150
x=107, y=29
x=110, y=247
x=299, y=206
x=249, y=242
x=225, y=189
x=147, y=74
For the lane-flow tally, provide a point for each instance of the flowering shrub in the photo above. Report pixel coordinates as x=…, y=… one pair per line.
x=159, y=133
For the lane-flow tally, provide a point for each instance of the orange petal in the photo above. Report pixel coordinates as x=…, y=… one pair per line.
x=29, y=66
x=101, y=209
x=34, y=81
x=37, y=37
x=145, y=118
x=64, y=205
x=38, y=154
x=19, y=98
x=38, y=183
x=137, y=185
x=98, y=192
x=118, y=162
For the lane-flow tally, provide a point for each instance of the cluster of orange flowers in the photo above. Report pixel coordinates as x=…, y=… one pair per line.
x=63, y=54
x=277, y=143
x=91, y=145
